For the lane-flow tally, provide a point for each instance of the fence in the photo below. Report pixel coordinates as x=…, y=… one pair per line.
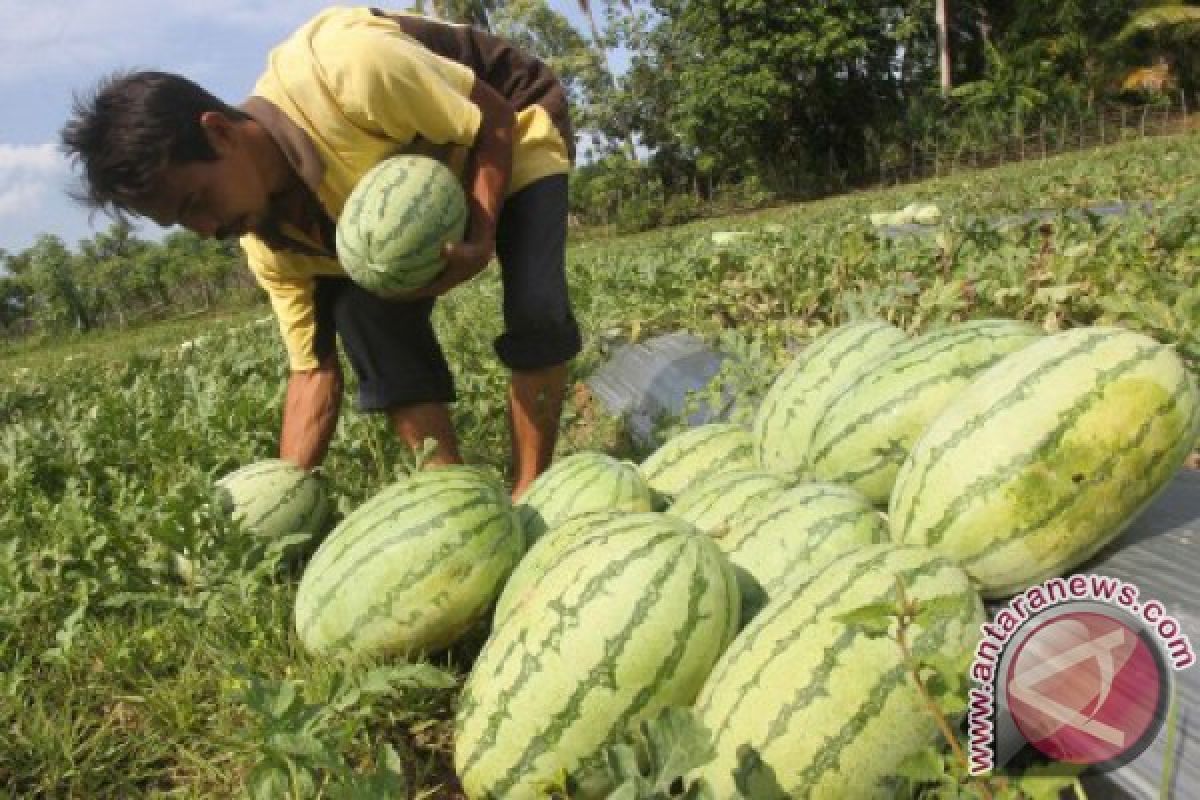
x=1046, y=137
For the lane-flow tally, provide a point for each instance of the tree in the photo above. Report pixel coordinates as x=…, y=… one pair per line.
x=467, y=12
x=1167, y=33
x=800, y=94
x=108, y=271
x=943, y=43
x=46, y=272
x=545, y=33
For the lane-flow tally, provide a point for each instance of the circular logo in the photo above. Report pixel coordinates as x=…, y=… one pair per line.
x=1087, y=688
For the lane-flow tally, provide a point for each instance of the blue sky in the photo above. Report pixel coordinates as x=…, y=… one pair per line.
x=53, y=48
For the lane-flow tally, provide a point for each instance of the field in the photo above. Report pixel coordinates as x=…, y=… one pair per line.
x=123, y=676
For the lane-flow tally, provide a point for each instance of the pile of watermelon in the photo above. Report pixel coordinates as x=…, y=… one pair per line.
x=967, y=462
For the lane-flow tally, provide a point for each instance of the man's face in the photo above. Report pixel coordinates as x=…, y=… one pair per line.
x=221, y=198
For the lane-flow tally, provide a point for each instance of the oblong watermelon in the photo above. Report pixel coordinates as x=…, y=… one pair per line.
x=871, y=422
x=784, y=422
x=1048, y=455
x=818, y=705
x=274, y=497
x=411, y=569
x=577, y=484
x=795, y=532
x=696, y=454
x=716, y=502
x=627, y=623
x=396, y=221
x=544, y=553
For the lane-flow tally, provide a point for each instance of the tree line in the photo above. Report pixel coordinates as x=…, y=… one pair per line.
x=683, y=107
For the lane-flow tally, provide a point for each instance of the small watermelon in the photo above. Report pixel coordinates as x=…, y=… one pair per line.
x=577, y=484
x=396, y=221
x=785, y=422
x=696, y=454
x=410, y=570
x=274, y=497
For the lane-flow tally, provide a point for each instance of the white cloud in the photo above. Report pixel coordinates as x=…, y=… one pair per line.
x=41, y=38
x=27, y=174
x=18, y=197
x=36, y=158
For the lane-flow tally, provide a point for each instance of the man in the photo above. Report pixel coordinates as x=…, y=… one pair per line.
x=348, y=89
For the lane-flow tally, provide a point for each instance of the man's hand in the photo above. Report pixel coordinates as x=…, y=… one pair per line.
x=464, y=260
x=489, y=167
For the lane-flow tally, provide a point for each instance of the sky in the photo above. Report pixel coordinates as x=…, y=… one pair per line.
x=53, y=49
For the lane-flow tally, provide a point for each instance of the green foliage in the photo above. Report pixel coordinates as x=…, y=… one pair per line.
x=652, y=761
x=943, y=771
x=298, y=745
x=114, y=279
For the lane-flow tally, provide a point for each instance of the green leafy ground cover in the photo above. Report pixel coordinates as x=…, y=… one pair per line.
x=120, y=676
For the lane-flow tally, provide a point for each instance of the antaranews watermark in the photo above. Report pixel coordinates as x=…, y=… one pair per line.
x=1080, y=668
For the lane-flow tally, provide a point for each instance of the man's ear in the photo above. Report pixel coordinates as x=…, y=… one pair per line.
x=220, y=130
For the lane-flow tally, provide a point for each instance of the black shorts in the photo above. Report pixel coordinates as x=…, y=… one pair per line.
x=392, y=346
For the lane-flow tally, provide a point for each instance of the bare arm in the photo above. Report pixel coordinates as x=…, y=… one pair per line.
x=488, y=170
x=310, y=413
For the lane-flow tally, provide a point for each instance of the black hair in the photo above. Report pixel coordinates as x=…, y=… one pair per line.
x=130, y=128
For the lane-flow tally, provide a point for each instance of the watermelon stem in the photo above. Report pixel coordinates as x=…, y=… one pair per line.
x=909, y=611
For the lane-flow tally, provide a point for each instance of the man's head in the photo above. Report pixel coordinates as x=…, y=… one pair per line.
x=157, y=145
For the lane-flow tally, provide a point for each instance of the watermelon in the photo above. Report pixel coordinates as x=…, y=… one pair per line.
x=794, y=532
x=396, y=221
x=544, y=553
x=818, y=705
x=411, y=569
x=716, y=502
x=696, y=454
x=1047, y=456
x=872, y=421
x=626, y=623
x=784, y=422
x=577, y=484
x=274, y=497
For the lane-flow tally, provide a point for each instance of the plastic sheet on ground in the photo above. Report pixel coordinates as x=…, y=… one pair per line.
x=647, y=381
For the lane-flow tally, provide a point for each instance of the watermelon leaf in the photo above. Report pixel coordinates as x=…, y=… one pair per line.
x=386, y=782
x=650, y=762
x=1047, y=782
x=924, y=766
x=873, y=619
x=754, y=778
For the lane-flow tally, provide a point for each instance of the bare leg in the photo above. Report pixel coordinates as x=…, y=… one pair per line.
x=414, y=424
x=535, y=401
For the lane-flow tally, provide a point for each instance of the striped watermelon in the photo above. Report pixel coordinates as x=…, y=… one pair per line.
x=795, y=532
x=1048, y=455
x=715, y=503
x=783, y=425
x=828, y=709
x=626, y=623
x=395, y=222
x=273, y=497
x=410, y=569
x=872, y=421
x=580, y=483
x=696, y=454
x=544, y=553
